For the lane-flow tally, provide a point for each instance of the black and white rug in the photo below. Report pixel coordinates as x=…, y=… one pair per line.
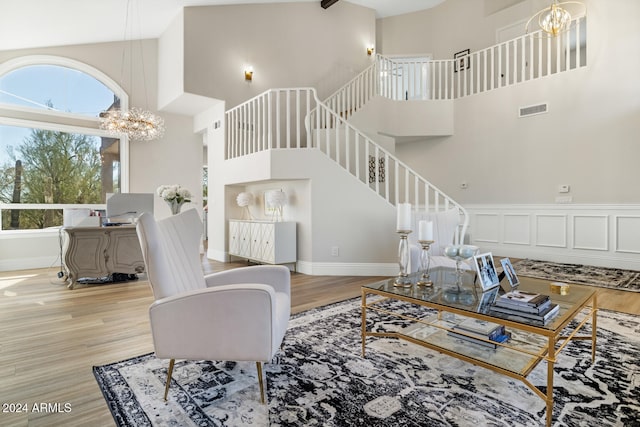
x=624, y=280
x=320, y=379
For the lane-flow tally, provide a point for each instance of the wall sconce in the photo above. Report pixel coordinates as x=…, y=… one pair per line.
x=248, y=74
x=370, y=50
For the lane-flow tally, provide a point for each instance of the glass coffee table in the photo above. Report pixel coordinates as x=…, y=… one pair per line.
x=529, y=344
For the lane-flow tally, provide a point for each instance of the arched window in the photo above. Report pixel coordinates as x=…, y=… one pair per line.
x=52, y=153
x=55, y=88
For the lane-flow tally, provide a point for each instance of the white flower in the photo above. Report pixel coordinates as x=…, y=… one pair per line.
x=174, y=192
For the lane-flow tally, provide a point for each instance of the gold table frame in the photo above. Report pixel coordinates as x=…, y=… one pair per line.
x=578, y=304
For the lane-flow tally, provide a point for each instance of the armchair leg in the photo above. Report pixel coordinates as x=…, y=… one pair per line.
x=260, y=382
x=169, y=372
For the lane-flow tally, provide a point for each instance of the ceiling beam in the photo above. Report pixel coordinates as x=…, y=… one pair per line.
x=326, y=3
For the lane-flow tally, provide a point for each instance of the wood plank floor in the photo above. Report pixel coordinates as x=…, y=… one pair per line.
x=50, y=337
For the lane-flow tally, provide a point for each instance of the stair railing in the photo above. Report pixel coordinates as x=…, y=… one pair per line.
x=374, y=166
x=272, y=120
x=521, y=59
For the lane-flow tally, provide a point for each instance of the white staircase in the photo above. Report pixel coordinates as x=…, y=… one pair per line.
x=295, y=119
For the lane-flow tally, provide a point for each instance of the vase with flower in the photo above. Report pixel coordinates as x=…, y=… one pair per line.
x=175, y=196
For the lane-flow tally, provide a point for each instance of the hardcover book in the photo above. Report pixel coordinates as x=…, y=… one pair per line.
x=539, y=319
x=523, y=307
x=524, y=298
x=478, y=326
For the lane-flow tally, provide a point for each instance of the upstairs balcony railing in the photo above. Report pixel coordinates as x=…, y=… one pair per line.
x=524, y=58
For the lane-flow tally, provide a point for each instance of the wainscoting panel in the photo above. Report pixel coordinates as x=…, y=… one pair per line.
x=628, y=234
x=517, y=229
x=551, y=230
x=591, y=234
x=488, y=227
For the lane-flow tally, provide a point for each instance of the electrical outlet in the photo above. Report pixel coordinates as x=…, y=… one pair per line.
x=335, y=251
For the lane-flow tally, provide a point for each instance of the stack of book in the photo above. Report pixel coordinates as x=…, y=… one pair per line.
x=480, y=332
x=532, y=308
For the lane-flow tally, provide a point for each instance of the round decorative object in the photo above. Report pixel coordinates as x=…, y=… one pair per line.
x=451, y=251
x=459, y=253
x=467, y=251
x=244, y=199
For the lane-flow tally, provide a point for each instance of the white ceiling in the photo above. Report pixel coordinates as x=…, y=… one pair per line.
x=40, y=23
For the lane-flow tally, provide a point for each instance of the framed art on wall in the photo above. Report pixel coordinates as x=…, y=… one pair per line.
x=462, y=60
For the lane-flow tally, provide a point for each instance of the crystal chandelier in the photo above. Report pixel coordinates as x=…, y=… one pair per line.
x=137, y=123
x=554, y=19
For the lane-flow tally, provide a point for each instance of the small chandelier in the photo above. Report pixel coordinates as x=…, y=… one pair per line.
x=138, y=124
x=554, y=19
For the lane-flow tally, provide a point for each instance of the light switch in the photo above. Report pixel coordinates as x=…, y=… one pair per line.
x=563, y=188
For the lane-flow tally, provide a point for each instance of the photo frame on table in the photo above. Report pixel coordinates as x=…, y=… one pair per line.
x=510, y=272
x=462, y=60
x=487, y=299
x=485, y=267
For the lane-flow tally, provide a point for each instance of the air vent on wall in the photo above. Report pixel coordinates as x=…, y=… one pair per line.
x=533, y=110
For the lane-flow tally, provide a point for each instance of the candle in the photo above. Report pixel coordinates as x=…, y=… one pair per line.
x=425, y=230
x=404, y=217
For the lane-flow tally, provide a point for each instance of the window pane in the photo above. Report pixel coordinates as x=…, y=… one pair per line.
x=44, y=166
x=30, y=219
x=55, y=87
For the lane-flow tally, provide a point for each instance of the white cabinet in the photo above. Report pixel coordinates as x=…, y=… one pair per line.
x=263, y=241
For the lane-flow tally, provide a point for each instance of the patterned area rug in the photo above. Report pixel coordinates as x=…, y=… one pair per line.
x=319, y=379
x=624, y=280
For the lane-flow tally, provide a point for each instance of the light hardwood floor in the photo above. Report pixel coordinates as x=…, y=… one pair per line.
x=50, y=337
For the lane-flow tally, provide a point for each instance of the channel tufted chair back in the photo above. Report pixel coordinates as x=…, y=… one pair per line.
x=240, y=314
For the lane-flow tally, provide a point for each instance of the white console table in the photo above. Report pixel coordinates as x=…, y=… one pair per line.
x=100, y=251
x=263, y=241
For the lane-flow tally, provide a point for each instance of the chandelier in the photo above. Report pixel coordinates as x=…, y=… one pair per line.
x=555, y=19
x=136, y=123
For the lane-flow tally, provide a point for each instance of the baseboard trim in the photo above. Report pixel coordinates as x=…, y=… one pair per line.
x=29, y=263
x=347, y=269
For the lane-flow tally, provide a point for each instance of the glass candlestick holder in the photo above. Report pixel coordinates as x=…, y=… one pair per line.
x=425, y=261
x=403, y=280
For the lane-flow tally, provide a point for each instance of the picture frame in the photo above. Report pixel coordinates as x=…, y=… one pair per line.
x=510, y=272
x=487, y=299
x=462, y=60
x=485, y=267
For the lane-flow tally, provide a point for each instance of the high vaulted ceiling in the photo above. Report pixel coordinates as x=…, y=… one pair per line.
x=41, y=23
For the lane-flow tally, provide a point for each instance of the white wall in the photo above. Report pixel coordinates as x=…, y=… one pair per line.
x=587, y=140
x=287, y=44
x=171, y=62
x=331, y=207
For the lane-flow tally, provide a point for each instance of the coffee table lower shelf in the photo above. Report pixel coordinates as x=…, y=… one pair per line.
x=516, y=358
